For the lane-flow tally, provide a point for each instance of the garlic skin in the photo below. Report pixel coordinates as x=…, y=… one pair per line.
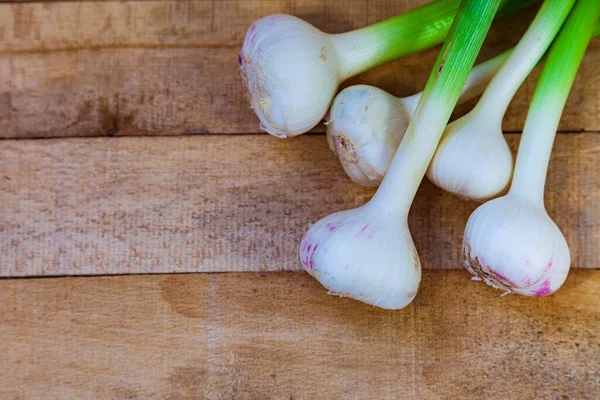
x=365, y=127
x=291, y=71
x=473, y=160
x=362, y=254
x=512, y=244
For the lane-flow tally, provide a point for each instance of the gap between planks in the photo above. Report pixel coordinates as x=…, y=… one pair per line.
x=218, y=134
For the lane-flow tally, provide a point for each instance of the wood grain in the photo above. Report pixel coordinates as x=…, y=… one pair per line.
x=280, y=336
x=169, y=67
x=228, y=203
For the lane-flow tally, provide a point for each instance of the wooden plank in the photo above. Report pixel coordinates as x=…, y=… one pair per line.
x=228, y=203
x=44, y=27
x=280, y=336
x=169, y=67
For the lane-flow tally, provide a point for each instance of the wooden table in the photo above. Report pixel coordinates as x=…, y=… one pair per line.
x=131, y=154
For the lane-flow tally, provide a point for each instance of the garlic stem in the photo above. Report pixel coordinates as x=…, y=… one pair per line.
x=525, y=56
x=478, y=79
x=435, y=107
x=396, y=37
x=405, y=34
x=549, y=100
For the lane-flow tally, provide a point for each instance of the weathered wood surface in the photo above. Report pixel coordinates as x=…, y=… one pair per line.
x=280, y=336
x=228, y=203
x=169, y=67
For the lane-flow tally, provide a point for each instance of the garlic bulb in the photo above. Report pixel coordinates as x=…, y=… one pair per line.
x=291, y=70
x=366, y=124
x=512, y=244
x=473, y=160
x=368, y=257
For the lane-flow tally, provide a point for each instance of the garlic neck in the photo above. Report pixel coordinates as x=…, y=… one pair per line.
x=489, y=117
x=490, y=112
x=355, y=51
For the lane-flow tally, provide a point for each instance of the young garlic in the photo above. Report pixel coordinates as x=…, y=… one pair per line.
x=473, y=160
x=292, y=70
x=511, y=242
x=366, y=124
x=367, y=253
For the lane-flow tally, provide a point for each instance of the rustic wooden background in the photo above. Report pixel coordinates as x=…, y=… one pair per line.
x=129, y=148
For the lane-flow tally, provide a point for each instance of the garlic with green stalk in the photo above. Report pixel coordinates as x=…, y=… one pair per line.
x=473, y=160
x=511, y=242
x=367, y=253
x=292, y=70
x=366, y=124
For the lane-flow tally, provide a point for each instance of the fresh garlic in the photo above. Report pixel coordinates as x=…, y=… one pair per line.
x=366, y=124
x=473, y=160
x=292, y=69
x=511, y=242
x=367, y=253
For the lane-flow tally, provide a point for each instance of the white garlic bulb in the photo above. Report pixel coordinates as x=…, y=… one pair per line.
x=469, y=164
x=367, y=253
x=473, y=160
x=292, y=69
x=292, y=73
x=369, y=257
x=512, y=244
x=365, y=126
